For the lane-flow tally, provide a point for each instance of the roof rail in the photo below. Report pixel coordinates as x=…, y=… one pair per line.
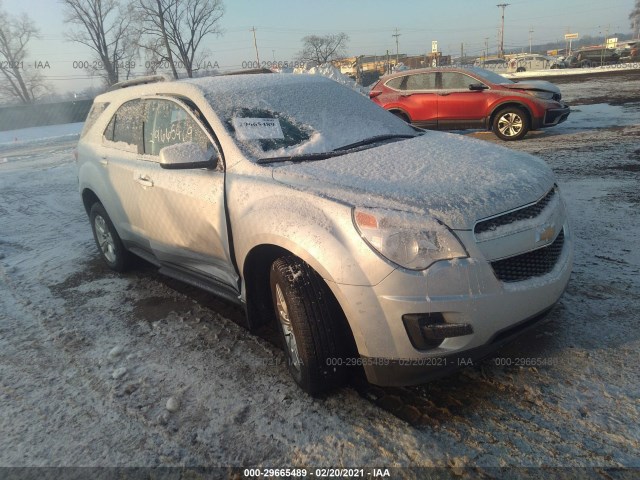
x=139, y=81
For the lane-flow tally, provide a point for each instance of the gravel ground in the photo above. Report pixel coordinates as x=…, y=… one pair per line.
x=101, y=369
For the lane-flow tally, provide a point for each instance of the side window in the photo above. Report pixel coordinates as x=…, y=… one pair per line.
x=94, y=114
x=456, y=81
x=398, y=83
x=125, y=128
x=167, y=123
x=422, y=81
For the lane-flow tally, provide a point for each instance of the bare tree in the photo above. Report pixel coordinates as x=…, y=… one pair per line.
x=322, y=49
x=174, y=29
x=22, y=82
x=105, y=27
x=634, y=16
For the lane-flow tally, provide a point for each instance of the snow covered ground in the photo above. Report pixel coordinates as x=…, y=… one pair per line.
x=89, y=359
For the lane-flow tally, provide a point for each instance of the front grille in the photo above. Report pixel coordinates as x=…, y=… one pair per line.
x=526, y=213
x=530, y=264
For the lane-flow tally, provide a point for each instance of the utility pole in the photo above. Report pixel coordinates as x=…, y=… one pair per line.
x=397, y=50
x=606, y=38
x=530, y=38
x=462, y=54
x=486, y=48
x=255, y=44
x=502, y=6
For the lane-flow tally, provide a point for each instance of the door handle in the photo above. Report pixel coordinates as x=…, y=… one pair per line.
x=144, y=181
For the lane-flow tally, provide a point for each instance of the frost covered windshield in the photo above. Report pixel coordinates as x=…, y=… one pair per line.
x=281, y=116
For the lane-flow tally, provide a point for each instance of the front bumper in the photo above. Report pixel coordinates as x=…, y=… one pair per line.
x=414, y=371
x=556, y=116
x=464, y=291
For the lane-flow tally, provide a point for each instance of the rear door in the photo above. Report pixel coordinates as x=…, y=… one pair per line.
x=121, y=156
x=419, y=97
x=184, y=211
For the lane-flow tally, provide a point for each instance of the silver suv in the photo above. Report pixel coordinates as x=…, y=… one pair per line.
x=368, y=242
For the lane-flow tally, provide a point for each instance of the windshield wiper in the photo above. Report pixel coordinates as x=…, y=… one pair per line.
x=333, y=153
x=378, y=138
x=301, y=158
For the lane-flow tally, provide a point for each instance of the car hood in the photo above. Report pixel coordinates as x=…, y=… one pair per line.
x=534, y=85
x=455, y=179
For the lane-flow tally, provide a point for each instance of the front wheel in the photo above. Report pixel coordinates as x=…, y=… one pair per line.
x=511, y=124
x=309, y=320
x=109, y=244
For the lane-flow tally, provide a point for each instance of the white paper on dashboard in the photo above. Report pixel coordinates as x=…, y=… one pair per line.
x=257, y=128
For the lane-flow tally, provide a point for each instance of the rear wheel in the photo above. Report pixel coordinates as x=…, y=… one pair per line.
x=511, y=123
x=109, y=244
x=309, y=320
x=521, y=69
x=401, y=115
x=585, y=64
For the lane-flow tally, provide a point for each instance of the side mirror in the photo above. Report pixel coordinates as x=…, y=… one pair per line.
x=186, y=155
x=477, y=87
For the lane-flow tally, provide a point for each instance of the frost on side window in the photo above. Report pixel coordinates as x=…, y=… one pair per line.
x=125, y=128
x=95, y=112
x=167, y=123
x=269, y=130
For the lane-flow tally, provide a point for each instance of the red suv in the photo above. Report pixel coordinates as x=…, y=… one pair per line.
x=463, y=98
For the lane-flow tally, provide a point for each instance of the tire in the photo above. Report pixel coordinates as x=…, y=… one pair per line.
x=400, y=115
x=308, y=317
x=585, y=64
x=107, y=239
x=521, y=69
x=511, y=123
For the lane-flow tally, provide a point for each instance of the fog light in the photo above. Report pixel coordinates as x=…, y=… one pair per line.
x=429, y=330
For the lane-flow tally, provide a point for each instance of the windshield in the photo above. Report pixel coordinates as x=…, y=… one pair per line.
x=286, y=116
x=490, y=76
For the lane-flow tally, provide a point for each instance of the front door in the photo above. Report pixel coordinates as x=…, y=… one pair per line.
x=184, y=209
x=458, y=107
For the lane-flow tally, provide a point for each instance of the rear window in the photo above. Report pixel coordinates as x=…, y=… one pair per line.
x=94, y=114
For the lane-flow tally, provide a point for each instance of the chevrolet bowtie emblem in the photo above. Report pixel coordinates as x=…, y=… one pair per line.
x=545, y=233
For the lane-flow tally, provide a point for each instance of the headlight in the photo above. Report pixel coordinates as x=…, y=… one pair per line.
x=409, y=240
x=539, y=94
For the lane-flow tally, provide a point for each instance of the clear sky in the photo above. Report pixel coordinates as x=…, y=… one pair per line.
x=280, y=24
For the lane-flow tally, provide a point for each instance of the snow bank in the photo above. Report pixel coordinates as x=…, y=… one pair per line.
x=569, y=72
x=329, y=71
x=47, y=132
